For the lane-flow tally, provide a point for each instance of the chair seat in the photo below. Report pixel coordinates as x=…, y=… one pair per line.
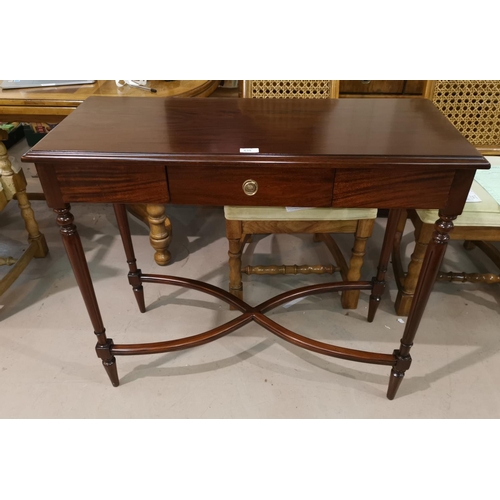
x=305, y=214
x=485, y=213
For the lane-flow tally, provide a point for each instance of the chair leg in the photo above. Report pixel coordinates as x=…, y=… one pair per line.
x=363, y=232
x=404, y=298
x=235, y=283
x=16, y=185
x=160, y=233
x=34, y=235
x=235, y=240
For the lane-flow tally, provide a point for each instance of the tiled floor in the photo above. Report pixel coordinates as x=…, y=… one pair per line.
x=48, y=366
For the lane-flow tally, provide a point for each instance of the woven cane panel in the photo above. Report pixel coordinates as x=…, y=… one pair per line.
x=473, y=106
x=291, y=89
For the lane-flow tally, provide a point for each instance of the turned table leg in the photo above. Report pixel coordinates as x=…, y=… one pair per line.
x=76, y=255
x=160, y=233
x=134, y=275
x=379, y=280
x=430, y=268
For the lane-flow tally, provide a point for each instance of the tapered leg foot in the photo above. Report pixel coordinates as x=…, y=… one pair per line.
x=134, y=276
x=402, y=364
x=378, y=282
x=375, y=300
x=139, y=297
x=111, y=370
x=103, y=351
x=394, y=383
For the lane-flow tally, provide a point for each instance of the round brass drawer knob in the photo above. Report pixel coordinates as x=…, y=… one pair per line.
x=250, y=187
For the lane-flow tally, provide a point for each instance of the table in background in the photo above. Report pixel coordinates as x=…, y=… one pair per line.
x=53, y=104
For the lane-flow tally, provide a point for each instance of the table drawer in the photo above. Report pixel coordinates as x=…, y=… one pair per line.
x=392, y=188
x=93, y=183
x=251, y=186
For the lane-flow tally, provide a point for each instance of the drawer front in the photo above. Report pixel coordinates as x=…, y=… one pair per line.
x=391, y=188
x=120, y=184
x=265, y=186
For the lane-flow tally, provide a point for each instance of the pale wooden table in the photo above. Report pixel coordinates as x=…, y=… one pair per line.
x=53, y=104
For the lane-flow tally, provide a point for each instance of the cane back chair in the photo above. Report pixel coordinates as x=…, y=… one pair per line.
x=473, y=106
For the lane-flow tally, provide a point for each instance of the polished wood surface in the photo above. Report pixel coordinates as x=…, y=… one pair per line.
x=404, y=141
x=53, y=104
x=285, y=131
x=313, y=187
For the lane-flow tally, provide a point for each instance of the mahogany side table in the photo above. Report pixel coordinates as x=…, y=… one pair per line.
x=384, y=153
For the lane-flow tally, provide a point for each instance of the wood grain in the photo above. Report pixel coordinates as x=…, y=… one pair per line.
x=394, y=188
x=339, y=133
x=276, y=186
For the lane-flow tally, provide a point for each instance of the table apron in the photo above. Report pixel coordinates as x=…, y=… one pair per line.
x=311, y=186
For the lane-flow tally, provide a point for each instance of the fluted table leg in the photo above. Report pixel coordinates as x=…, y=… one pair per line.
x=379, y=280
x=76, y=256
x=430, y=268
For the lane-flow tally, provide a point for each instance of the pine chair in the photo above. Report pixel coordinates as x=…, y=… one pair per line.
x=243, y=222
x=13, y=185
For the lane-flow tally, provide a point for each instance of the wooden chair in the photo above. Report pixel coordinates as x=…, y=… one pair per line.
x=473, y=106
x=13, y=185
x=242, y=222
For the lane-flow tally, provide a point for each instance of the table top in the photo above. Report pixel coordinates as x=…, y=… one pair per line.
x=376, y=131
